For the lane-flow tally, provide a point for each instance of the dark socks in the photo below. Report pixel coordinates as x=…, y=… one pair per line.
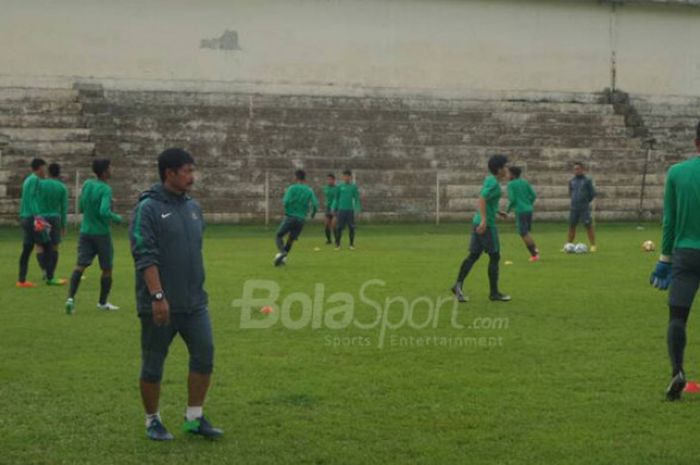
x=338, y=236
x=280, y=243
x=676, y=337
x=41, y=260
x=328, y=234
x=74, y=283
x=493, y=272
x=49, y=262
x=466, y=267
x=351, y=234
x=105, y=287
x=288, y=247
x=54, y=262
x=24, y=261
x=532, y=249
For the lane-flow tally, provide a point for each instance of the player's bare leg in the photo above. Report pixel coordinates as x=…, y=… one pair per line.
x=591, y=236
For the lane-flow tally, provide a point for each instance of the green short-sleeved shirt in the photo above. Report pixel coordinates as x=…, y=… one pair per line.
x=491, y=192
x=681, y=224
x=29, y=205
x=521, y=196
x=96, y=205
x=329, y=194
x=347, y=197
x=53, y=199
x=297, y=199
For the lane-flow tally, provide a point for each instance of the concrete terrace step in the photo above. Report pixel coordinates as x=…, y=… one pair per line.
x=23, y=107
x=42, y=120
x=54, y=147
x=34, y=93
x=426, y=135
x=46, y=134
x=254, y=101
x=308, y=117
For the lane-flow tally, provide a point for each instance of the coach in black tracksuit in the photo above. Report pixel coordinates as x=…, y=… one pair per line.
x=166, y=243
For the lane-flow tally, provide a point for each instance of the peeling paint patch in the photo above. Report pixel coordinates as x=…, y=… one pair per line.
x=227, y=41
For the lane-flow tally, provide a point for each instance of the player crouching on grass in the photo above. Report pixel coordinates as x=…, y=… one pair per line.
x=484, y=234
x=296, y=201
x=679, y=264
x=166, y=235
x=521, y=196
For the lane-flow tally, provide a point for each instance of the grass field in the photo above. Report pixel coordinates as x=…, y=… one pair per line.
x=571, y=371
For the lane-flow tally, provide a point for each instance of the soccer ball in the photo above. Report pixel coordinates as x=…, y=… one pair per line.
x=648, y=246
x=581, y=248
x=569, y=248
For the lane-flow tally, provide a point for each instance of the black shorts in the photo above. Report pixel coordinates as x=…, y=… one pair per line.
x=523, y=223
x=346, y=218
x=329, y=214
x=291, y=225
x=195, y=329
x=55, y=233
x=487, y=242
x=29, y=236
x=91, y=245
x=685, y=280
x=580, y=215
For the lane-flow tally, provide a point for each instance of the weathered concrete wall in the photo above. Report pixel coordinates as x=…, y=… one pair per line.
x=546, y=45
x=399, y=145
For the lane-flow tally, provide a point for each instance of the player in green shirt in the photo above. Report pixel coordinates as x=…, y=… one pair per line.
x=95, y=237
x=329, y=193
x=28, y=209
x=346, y=205
x=484, y=234
x=679, y=264
x=53, y=206
x=521, y=197
x=297, y=199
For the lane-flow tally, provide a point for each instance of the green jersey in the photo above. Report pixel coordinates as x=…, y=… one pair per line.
x=53, y=199
x=296, y=200
x=329, y=193
x=29, y=204
x=521, y=196
x=347, y=197
x=491, y=192
x=96, y=205
x=681, y=225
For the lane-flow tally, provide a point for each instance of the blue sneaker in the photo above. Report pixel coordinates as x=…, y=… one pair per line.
x=158, y=432
x=202, y=427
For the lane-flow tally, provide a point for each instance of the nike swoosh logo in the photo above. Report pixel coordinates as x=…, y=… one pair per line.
x=165, y=215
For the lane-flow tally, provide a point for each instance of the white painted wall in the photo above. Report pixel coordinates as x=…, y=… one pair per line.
x=551, y=45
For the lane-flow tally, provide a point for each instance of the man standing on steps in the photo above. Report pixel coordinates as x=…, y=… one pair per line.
x=329, y=193
x=95, y=234
x=53, y=207
x=522, y=197
x=347, y=204
x=166, y=235
x=582, y=193
x=28, y=209
x=679, y=264
x=484, y=234
x=297, y=199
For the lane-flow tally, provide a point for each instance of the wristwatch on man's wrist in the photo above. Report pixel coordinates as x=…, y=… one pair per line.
x=157, y=296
